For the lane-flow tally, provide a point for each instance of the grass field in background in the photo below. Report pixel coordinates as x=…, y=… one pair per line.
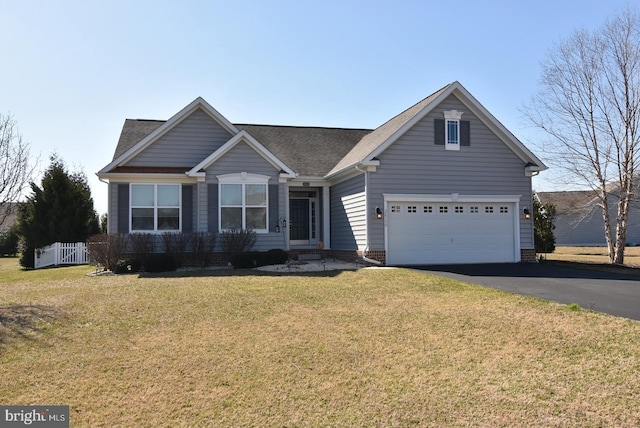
x=374, y=347
x=593, y=255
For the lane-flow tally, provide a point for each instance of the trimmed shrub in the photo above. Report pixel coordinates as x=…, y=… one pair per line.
x=127, y=266
x=247, y=260
x=143, y=244
x=236, y=241
x=252, y=259
x=160, y=262
x=177, y=244
x=275, y=256
x=107, y=250
x=203, y=244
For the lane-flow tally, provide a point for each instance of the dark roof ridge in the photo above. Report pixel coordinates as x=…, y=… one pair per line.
x=304, y=126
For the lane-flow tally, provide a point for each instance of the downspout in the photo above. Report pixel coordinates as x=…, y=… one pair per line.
x=109, y=202
x=366, y=219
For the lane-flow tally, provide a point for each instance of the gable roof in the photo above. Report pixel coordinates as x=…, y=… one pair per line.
x=127, y=151
x=242, y=136
x=318, y=151
x=290, y=144
x=385, y=135
x=133, y=131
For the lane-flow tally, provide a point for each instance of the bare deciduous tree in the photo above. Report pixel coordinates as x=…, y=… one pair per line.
x=15, y=169
x=589, y=105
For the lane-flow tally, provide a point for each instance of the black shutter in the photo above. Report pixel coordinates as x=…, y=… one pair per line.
x=123, y=208
x=273, y=206
x=187, y=208
x=465, y=133
x=438, y=131
x=212, y=207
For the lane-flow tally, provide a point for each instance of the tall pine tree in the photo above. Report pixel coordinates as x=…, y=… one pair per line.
x=59, y=210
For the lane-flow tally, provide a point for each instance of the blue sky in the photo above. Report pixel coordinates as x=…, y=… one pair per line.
x=73, y=71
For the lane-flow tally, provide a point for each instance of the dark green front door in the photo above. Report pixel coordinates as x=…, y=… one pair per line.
x=299, y=219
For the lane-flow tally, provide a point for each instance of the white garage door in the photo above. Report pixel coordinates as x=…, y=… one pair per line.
x=451, y=232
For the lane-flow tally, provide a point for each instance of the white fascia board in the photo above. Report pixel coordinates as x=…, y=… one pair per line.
x=147, y=178
x=313, y=181
x=531, y=170
x=479, y=111
x=344, y=174
x=352, y=170
x=253, y=143
x=167, y=126
x=497, y=127
x=452, y=197
x=411, y=123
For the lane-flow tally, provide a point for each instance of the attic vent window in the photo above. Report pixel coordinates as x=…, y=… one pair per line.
x=452, y=129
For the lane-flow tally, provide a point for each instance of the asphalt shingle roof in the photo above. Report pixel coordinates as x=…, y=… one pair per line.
x=569, y=201
x=309, y=151
x=133, y=131
x=373, y=140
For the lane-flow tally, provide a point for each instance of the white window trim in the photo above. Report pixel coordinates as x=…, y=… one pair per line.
x=451, y=116
x=155, y=207
x=243, y=178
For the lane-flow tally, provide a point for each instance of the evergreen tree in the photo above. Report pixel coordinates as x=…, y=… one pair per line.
x=9, y=241
x=59, y=210
x=543, y=217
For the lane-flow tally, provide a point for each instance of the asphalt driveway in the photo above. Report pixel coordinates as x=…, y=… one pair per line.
x=608, y=292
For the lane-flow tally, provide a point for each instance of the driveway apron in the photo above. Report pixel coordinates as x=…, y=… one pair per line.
x=612, y=293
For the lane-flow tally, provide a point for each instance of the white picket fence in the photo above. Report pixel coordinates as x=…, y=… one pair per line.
x=61, y=253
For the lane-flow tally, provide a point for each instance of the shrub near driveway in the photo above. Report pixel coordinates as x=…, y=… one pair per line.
x=375, y=347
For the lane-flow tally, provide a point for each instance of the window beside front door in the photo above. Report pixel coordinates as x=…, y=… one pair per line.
x=243, y=202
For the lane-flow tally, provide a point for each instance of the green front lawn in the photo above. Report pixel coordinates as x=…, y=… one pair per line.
x=375, y=347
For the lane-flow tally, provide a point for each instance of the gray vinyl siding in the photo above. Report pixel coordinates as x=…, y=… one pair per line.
x=348, y=214
x=201, y=207
x=415, y=164
x=186, y=144
x=587, y=229
x=112, y=219
x=242, y=158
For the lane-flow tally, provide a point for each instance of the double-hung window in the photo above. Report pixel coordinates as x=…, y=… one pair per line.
x=452, y=129
x=155, y=207
x=243, y=202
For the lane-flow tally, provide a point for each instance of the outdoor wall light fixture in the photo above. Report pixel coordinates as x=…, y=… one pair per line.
x=378, y=213
x=282, y=224
x=527, y=214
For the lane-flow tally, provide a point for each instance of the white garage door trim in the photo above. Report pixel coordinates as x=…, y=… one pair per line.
x=513, y=200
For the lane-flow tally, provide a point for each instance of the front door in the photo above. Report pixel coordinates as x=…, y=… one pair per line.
x=299, y=221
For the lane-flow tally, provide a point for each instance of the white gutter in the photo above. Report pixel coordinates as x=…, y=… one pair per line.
x=366, y=218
